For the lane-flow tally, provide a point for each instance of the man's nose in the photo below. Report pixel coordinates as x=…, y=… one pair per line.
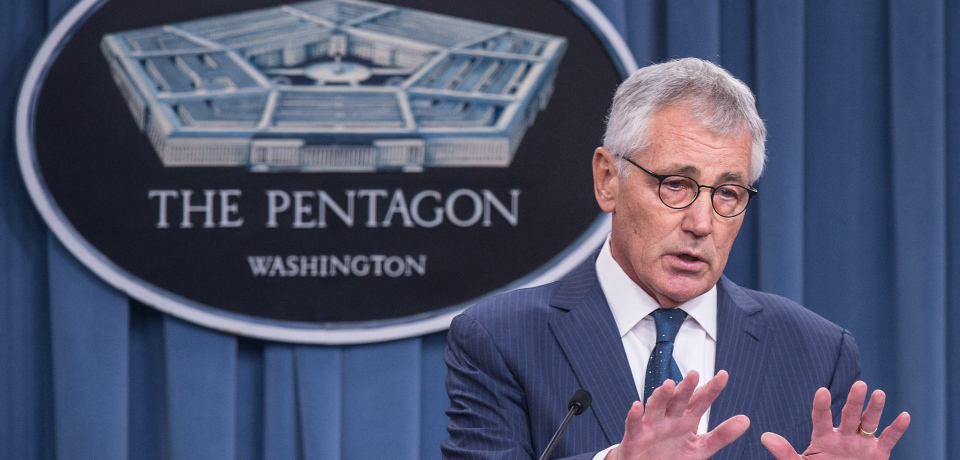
x=699, y=215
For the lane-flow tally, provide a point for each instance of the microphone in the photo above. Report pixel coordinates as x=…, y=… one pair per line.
x=578, y=403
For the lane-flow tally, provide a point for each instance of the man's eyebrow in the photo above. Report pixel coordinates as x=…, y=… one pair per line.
x=731, y=177
x=687, y=170
x=693, y=171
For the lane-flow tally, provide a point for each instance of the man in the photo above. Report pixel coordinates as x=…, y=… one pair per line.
x=683, y=146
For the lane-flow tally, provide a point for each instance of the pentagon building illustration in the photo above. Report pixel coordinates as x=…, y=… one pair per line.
x=334, y=85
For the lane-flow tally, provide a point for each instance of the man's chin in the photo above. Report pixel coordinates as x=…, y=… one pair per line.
x=684, y=292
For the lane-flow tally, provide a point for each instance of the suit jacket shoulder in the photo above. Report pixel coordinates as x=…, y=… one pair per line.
x=515, y=359
x=782, y=313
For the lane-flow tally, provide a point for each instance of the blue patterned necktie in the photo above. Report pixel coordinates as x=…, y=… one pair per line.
x=661, y=365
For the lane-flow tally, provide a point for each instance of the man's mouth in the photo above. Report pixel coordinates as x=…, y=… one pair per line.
x=687, y=261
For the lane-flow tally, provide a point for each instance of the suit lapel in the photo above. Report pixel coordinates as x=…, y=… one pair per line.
x=741, y=351
x=589, y=338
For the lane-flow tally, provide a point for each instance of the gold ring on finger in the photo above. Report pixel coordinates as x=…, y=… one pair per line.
x=865, y=433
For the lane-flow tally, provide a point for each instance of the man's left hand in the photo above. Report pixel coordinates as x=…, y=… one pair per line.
x=853, y=439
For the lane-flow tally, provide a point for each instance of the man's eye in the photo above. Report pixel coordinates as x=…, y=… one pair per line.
x=673, y=184
x=728, y=193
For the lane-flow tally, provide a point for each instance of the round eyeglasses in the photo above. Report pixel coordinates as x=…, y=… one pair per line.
x=678, y=192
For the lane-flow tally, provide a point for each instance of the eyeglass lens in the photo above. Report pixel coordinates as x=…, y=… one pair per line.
x=679, y=192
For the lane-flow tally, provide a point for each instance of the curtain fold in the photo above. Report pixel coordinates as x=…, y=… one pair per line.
x=89, y=334
x=858, y=218
x=919, y=164
x=201, y=368
x=320, y=393
x=251, y=397
x=779, y=91
x=26, y=402
x=381, y=400
x=280, y=425
x=693, y=29
x=848, y=234
x=147, y=432
x=737, y=56
x=952, y=193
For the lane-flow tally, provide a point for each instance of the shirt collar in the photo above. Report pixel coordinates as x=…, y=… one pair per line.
x=629, y=303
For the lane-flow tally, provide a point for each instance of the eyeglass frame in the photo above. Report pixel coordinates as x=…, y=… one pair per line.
x=751, y=192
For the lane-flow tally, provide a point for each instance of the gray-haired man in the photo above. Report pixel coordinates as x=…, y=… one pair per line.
x=683, y=148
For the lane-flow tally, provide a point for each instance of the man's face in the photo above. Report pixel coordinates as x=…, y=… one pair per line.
x=673, y=254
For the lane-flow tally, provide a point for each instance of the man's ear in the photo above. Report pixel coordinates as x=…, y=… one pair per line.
x=606, y=181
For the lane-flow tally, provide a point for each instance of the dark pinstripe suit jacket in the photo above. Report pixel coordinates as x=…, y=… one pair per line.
x=515, y=359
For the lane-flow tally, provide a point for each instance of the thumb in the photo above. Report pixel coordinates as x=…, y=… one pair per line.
x=725, y=433
x=779, y=447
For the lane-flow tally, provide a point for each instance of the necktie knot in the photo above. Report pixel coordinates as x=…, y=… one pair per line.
x=668, y=323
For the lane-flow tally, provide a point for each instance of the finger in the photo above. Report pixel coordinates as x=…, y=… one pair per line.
x=678, y=404
x=778, y=446
x=850, y=415
x=634, y=423
x=656, y=406
x=822, y=419
x=871, y=416
x=725, y=433
x=704, y=396
x=631, y=434
x=892, y=433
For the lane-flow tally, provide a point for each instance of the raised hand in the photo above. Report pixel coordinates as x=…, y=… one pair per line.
x=667, y=427
x=853, y=439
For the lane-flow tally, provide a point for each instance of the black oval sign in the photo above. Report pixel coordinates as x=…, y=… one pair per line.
x=331, y=171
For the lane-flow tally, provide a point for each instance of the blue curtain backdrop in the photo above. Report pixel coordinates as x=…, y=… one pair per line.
x=859, y=219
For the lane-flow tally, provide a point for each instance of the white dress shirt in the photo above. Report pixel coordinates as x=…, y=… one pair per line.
x=695, y=347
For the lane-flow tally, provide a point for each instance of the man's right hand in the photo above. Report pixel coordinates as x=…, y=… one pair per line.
x=667, y=427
